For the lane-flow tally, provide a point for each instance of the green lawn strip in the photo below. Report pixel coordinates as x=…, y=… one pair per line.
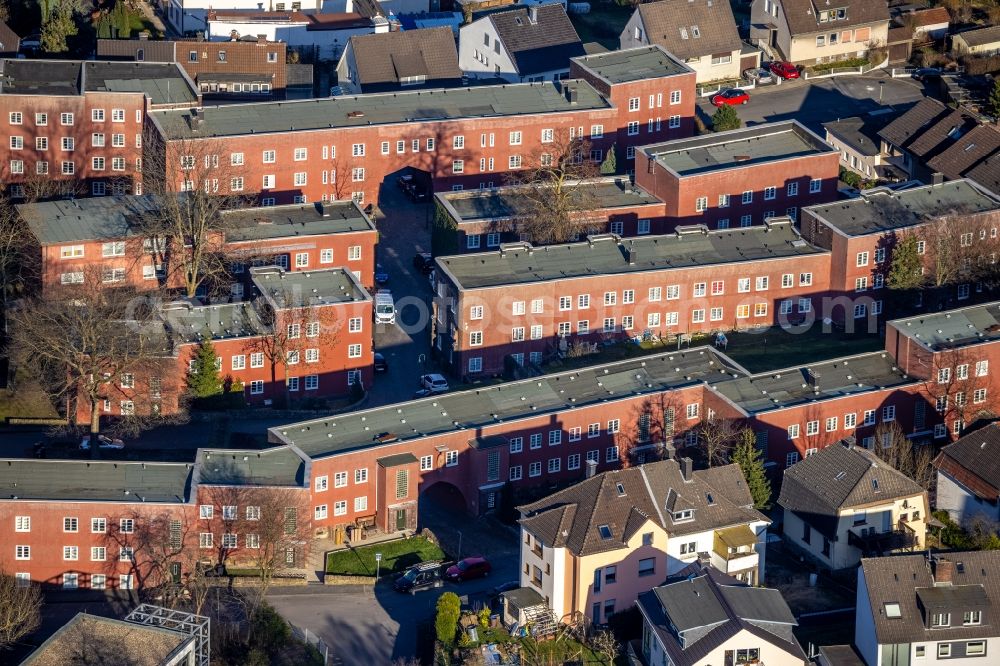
x=397, y=556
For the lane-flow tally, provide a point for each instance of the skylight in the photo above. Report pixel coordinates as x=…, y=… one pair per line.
x=605, y=531
x=621, y=490
x=875, y=487
x=892, y=610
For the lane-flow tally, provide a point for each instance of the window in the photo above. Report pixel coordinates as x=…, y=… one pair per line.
x=790, y=460
x=126, y=525
x=514, y=162
x=98, y=554
x=762, y=283
x=982, y=368
x=22, y=552
x=831, y=424
x=944, y=649
x=70, y=525
x=675, y=96
x=972, y=617
x=975, y=648
x=71, y=553
x=812, y=427
x=793, y=431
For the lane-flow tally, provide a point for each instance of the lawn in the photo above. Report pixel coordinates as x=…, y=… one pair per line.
x=396, y=557
x=604, y=23
x=28, y=400
x=776, y=348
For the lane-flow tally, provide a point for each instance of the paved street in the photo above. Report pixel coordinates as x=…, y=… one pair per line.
x=818, y=101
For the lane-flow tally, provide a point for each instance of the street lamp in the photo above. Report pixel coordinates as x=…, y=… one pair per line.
x=378, y=565
x=459, y=545
x=880, y=84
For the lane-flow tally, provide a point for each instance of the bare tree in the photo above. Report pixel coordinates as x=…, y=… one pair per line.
x=82, y=342
x=717, y=437
x=902, y=454
x=187, y=207
x=654, y=427
x=956, y=387
x=20, y=610
x=554, y=194
x=156, y=547
x=43, y=187
x=604, y=643
x=16, y=267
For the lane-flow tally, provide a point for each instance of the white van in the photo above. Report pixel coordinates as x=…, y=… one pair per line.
x=385, y=308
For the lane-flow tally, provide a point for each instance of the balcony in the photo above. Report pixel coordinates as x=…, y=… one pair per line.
x=873, y=543
x=735, y=549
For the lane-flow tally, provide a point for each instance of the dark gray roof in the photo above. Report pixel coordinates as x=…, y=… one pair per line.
x=278, y=466
x=320, y=287
x=802, y=16
x=955, y=328
x=539, y=45
x=507, y=202
x=950, y=596
x=981, y=36
x=251, y=224
x=693, y=617
x=907, y=127
x=839, y=655
x=387, y=57
x=627, y=65
x=896, y=580
x=571, y=517
x=941, y=135
x=971, y=148
x=96, y=218
x=128, y=49
x=476, y=410
x=737, y=148
x=987, y=173
x=691, y=28
x=859, y=132
x=397, y=460
x=378, y=109
x=881, y=210
x=162, y=83
x=39, y=77
x=185, y=322
x=976, y=455
x=92, y=480
x=520, y=263
x=839, y=477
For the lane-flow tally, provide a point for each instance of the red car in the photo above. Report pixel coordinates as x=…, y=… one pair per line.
x=785, y=70
x=730, y=96
x=470, y=567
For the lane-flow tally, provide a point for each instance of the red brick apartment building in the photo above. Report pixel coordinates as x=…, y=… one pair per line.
x=77, y=524
x=861, y=233
x=97, y=238
x=342, y=148
x=322, y=326
x=486, y=218
x=75, y=126
x=527, y=304
x=235, y=70
x=369, y=467
x=738, y=178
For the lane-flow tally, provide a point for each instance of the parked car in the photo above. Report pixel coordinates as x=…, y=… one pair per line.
x=730, y=96
x=469, y=568
x=413, y=187
x=385, y=308
x=504, y=587
x=381, y=365
x=434, y=383
x=381, y=275
x=784, y=70
x=423, y=262
x=926, y=73
x=758, y=75
x=102, y=443
x=421, y=576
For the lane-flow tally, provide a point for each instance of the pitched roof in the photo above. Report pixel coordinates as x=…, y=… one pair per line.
x=986, y=173
x=695, y=616
x=838, y=477
x=858, y=132
x=982, y=36
x=970, y=149
x=904, y=129
x=622, y=501
x=897, y=580
x=539, y=45
x=690, y=29
x=975, y=461
x=941, y=135
x=9, y=41
x=931, y=16
x=389, y=56
x=802, y=16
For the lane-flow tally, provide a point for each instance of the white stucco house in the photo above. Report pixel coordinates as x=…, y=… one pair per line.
x=968, y=477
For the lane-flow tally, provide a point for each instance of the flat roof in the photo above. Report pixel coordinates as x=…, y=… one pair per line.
x=881, y=209
x=778, y=389
x=643, y=62
x=184, y=322
x=953, y=328
x=378, y=109
x=278, y=466
x=312, y=288
x=92, y=639
x=94, y=480
x=607, y=254
x=74, y=220
x=506, y=202
x=163, y=83
x=269, y=222
x=738, y=148
x=476, y=409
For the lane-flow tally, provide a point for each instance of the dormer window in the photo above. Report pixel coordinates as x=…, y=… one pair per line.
x=892, y=610
x=681, y=516
x=939, y=620
x=842, y=14
x=972, y=617
x=604, y=531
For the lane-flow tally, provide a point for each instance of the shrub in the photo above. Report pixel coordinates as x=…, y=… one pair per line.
x=850, y=62
x=449, y=609
x=726, y=118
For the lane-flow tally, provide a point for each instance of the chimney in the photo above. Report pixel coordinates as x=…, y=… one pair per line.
x=144, y=36
x=944, y=569
x=812, y=377
x=196, y=119
x=262, y=39
x=631, y=255
x=571, y=94
x=591, y=468
x=937, y=178
x=669, y=450
x=687, y=468
x=533, y=14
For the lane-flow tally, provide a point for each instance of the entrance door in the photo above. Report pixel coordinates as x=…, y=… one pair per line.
x=774, y=37
x=175, y=572
x=400, y=520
